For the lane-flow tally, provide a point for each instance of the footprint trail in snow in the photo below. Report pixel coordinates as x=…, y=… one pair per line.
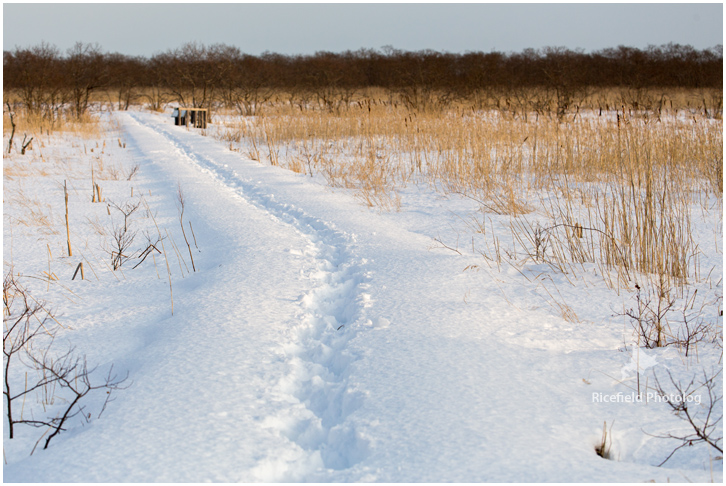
x=318, y=359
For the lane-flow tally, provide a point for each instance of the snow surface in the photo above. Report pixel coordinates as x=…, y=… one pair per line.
x=320, y=340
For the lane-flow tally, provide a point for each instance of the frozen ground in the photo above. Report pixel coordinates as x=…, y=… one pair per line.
x=319, y=340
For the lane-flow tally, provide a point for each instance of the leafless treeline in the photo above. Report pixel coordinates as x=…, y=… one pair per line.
x=45, y=78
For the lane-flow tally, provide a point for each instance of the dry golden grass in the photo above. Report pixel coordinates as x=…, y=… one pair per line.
x=84, y=137
x=36, y=125
x=35, y=213
x=627, y=174
x=17, y=171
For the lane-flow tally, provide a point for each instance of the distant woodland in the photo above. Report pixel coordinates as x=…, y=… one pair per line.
x=43, y=78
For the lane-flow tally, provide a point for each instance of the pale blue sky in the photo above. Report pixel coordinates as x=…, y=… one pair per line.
x=144, y=29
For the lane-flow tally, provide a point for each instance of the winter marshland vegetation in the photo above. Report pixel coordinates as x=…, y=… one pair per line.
x=565, y=175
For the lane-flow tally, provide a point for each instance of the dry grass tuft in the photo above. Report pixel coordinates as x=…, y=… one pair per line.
x=87, y=126
x=35, y=213
x=625, y=167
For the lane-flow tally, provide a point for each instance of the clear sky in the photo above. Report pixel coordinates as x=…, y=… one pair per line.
x=145, y=29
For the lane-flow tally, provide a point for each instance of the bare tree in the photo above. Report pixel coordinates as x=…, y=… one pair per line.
x=122, y=236
x=24, y=320
x=650, y=320
x=193, y=72
x=126, y=75
x=37, y=74
x=11, y=114
x=71, y=372
x=28, y=338
x=704, y=423
x=246, y=85
x=86, y=72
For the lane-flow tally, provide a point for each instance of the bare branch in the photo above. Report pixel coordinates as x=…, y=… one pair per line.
x=705, y=429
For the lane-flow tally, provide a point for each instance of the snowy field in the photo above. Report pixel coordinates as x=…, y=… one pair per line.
x=315, y=339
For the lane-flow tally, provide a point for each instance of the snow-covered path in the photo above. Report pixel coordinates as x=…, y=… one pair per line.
x=315, y=341
x=314, y=345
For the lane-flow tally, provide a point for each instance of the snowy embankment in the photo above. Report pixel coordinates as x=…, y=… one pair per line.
x=319, y=340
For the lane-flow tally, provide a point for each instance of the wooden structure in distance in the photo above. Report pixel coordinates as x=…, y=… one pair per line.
x=191, y=117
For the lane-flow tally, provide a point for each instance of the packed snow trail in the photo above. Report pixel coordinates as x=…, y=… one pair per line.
x=317, y=348
x=322, y=341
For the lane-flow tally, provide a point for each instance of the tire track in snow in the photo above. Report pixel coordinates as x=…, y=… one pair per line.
x=318, y=356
